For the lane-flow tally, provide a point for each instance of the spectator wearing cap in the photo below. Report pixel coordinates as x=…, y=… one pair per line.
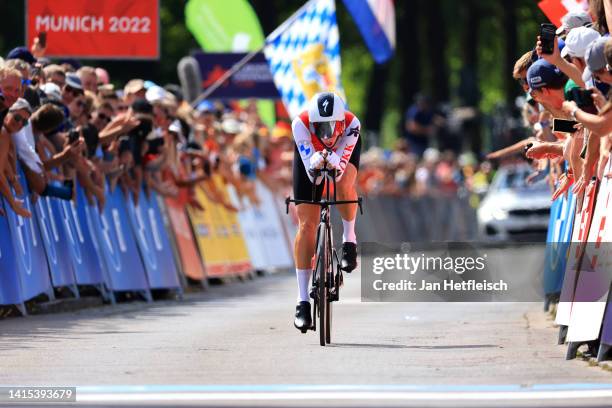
x=72, y=89
x=134, y=89
x=576, y=44
x=546, y=84
x=600, y=124
x=205, y=113
x=52, y=92
x=573, y=20
x=21, y=53
x=89, y=79
x=595, y=59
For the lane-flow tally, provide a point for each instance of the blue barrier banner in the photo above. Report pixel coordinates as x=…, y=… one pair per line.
x=123, y=265
x=84, y=253
x=29, y=252
x=55, y=242
x=551, y=260
x=562, y=241
x=10, y=292
x=153, y=242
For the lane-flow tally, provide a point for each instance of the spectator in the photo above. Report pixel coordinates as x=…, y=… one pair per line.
x=573, y=20
x=89, y=79
x=419, y=124
x=17, y=116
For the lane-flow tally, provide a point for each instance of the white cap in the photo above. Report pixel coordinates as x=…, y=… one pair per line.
x=155, y=94
x=52, y=91
x=573, y=20
x=577, y=41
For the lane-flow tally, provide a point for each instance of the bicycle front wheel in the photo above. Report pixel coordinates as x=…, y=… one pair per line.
x=322, y=269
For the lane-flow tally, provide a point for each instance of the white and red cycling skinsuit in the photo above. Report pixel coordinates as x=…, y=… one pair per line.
x=348, y=147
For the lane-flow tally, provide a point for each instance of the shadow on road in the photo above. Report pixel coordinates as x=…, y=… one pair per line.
x=402, y=346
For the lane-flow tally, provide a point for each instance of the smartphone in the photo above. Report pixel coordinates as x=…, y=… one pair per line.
x=547, y=37
x=565, y=126
x=582, y=97
x=73, y=136
x=42, y=39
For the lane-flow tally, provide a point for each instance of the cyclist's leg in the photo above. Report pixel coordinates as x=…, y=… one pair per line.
x=308, y=216
x=304, y=248
x=346, y=191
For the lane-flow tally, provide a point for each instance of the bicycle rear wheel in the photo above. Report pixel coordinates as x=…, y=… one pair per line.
x=329, y=284
x=322, y=288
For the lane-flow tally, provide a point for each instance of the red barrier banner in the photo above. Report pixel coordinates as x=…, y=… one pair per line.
x=101, y=29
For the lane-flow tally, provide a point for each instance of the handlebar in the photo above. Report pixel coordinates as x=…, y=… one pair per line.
x=324, y=203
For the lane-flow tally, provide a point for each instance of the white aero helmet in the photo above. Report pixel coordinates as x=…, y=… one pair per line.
x=326, y=115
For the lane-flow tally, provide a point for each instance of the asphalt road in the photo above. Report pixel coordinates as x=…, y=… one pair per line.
x=235, y=345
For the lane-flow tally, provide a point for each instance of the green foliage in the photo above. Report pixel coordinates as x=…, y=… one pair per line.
x=356, y=68
x=177, y=42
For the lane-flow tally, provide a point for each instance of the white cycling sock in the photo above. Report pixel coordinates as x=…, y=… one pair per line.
x=348, y=234
x=303, y=280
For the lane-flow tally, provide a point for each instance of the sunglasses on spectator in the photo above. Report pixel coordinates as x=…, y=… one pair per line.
x=122, y=108
x=19, y=119
x=104, y=117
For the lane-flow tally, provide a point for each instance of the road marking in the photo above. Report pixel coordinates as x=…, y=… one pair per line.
x=342, y=392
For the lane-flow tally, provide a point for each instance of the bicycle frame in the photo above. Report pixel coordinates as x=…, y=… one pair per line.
x=322, y=286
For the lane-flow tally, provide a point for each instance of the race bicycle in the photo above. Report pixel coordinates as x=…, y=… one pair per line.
x=327, y=275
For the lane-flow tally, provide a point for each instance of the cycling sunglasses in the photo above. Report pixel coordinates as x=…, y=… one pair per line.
x=324, y=130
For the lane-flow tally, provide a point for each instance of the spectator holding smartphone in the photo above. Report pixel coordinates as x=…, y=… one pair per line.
x=601, y=123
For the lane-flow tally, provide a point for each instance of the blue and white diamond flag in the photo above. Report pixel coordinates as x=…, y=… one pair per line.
x=304, y=56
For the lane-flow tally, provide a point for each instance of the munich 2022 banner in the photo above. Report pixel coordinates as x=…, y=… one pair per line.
x=101, y=29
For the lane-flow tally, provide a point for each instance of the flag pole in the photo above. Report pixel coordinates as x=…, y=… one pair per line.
x=238, y=65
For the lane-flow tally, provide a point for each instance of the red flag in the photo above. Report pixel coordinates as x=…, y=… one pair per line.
x=554, y=10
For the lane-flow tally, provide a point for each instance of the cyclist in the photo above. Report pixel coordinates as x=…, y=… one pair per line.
x=325, y=132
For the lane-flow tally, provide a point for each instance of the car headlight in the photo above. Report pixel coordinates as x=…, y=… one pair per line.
x=499, y=214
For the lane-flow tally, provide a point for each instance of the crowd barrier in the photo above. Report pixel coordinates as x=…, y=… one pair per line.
x=133, y=247
x=409, y=219
x=577, y=264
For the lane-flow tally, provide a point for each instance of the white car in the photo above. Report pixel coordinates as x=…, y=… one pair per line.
x=513, y=209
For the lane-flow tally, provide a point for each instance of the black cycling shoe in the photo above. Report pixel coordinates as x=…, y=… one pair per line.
x=303, y=319
x=349, y=257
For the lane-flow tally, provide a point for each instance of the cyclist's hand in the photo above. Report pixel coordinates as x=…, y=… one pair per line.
x=316, y=161
x=333, y=161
